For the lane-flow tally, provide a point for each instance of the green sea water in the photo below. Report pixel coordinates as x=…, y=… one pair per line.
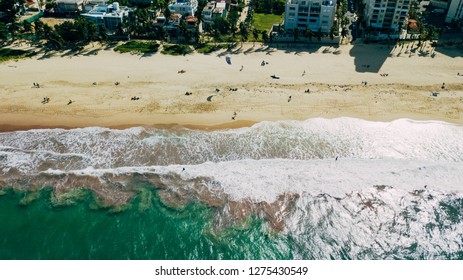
x=33, y=228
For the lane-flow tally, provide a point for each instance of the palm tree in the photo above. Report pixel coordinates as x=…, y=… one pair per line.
x=255, y=34
x=319, y=34
x=308, y=33
x=244, y=33
x=3, y=31
x=38, y=28
x=27, y=26
x=332, y=30
x=264, y=35
x=296, y=34
x=13, y=29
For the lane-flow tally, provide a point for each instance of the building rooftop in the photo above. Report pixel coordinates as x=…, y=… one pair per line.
x=70, y=1
x=190, y=19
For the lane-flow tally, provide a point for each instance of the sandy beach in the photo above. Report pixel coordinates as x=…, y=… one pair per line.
x=313, y=82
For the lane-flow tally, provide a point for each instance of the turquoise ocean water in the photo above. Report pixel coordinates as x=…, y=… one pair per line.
x=272, y=191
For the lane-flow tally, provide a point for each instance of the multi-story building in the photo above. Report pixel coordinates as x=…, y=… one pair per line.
x=455, y=11
x=386, y=14
x=213, y=10
x=70, y=6
x=183, y=7
x=311, y=14
x=108, y=15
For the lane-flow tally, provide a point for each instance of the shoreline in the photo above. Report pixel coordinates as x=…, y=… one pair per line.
x=101, y=86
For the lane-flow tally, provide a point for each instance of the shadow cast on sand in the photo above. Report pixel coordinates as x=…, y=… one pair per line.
x=369, y=58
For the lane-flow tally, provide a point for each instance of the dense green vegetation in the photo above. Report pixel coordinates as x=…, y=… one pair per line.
x=8, y=54
x=276, y=7
x=176, y=49
x=138, y=46
x=208, y=48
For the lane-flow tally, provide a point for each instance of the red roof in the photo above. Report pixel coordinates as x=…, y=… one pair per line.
x=190, y=19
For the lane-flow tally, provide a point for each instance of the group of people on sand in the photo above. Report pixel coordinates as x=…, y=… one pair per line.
x=135, y=98
x=233, y=89
x=234, y=116
x=36, y=85
x=45, y=100
x=384, y=74
x=365, y=83
x=188, y=93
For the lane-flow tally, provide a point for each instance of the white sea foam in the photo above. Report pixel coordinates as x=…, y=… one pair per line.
x=372, y=224
x=265, y=180
x=262, y=161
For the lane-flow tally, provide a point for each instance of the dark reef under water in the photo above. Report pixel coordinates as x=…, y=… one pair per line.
x=34, y=228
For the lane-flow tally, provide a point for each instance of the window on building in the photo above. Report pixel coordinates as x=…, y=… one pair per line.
x=292, y=8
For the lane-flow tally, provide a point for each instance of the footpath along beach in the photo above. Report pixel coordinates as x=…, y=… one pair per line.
x=99, y=87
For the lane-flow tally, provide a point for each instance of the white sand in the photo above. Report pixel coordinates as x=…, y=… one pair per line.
x=333, y=76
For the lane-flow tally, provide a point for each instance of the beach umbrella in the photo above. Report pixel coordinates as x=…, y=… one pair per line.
x=228, y=59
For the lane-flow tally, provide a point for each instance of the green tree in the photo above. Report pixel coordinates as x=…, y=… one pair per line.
x=197, y=35
x=222, y=25
x=319, y=34
x=167, y=13
x=264, y=36
x=278, y=7
x=102, y=33
x=255, y=34
x=332, y=31
x=54, y=40
x=308, y=33
x=344, y=33
x=3, y=31
x=13, y=29
x=10, y=8
x=38, y=28
x=27, y=26
x=296, y=34
x=244, y=32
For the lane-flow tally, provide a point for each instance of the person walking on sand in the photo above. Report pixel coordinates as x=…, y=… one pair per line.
x=289, y=99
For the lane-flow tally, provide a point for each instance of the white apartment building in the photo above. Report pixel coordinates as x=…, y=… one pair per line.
x=386, y=14
x=108, y=15
x=455, y=11
x=311, y=14
x=183, y=7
